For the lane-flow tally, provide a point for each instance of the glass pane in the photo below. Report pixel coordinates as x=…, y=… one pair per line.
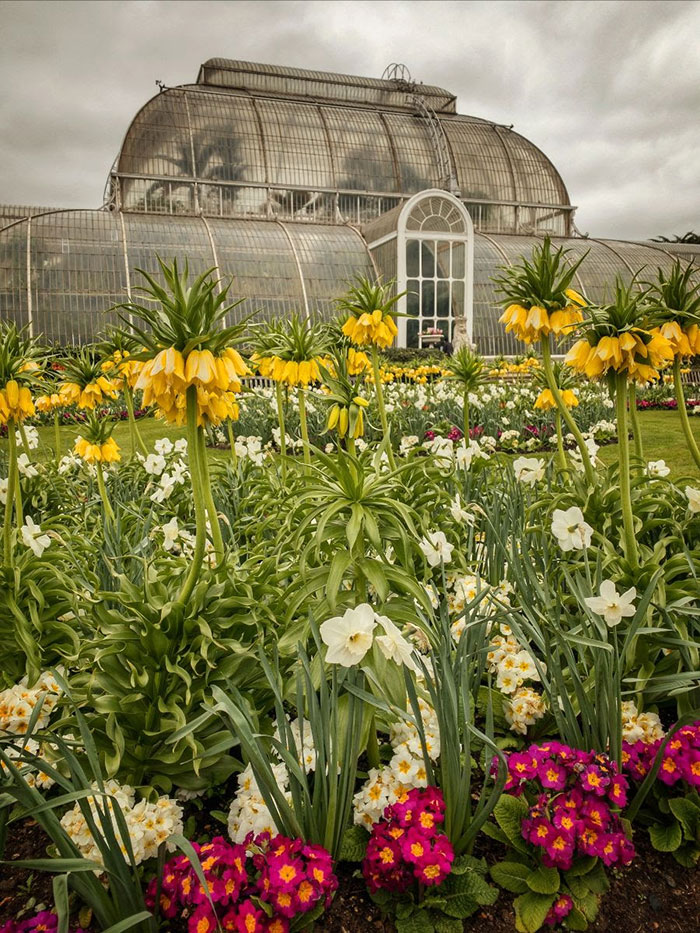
x=412, y=333
x=412, y=258
x=428, y=260
x=428, y=303
x=458, y=299
x=443, y=259
x=458, y=260
x=443, y=299
x=412, y=298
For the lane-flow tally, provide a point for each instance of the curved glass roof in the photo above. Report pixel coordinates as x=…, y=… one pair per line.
x=81, y=263
x=257, y=140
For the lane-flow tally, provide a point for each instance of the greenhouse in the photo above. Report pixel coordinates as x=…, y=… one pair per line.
x=293, y=181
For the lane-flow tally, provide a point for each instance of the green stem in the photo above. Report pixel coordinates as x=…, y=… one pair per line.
x=380, y=406
x=465, y=406
x=373, y=746
x=199, y=507
x=565, y=413
x=23, y=435
x=283, y=435
x=623, y=445
x=217, y=540
x=57, y=436
x=109, y=511
x=136, y=439
x=350, y=444
x=685, y=423
x=560, y=443
x=231, y=440
x=304, y=426
x=634, y=420
x=10, y=493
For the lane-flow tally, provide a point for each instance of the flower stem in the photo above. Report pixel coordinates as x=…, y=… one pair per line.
x=685, y=423
x=10, y=494
x=560, y=443
x=623, y=445
x=304, y=426
x=23, y=435
x=634, y=420
x=565, y=413
x=231, y=440
x=283, y=436
x=465, y=407
x=380, y=406
x=198, y=498
x=57, y=437
x=217, y=540
x=136, y=439
x=109, y=511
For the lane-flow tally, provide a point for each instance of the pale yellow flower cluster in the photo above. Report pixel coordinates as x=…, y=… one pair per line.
x=638, y=726
x=523, y=709
x=148, y=824
x=248, y=812
x=17, y=704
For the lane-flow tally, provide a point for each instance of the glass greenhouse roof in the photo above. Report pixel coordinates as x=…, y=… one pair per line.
x=259, y=140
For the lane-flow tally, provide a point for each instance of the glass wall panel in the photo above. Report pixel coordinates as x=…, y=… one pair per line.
x=296, y=146
x=13, y=274
x=362, y=153
x=414, y=151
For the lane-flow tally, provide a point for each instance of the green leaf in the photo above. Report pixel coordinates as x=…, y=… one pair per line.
x=509, y=814
x=576, y=920
x=544, y=880
x=530, y=911
x=129, y=922
x=666, y=837
x=511, y=876
x=688, y=815
x=582, y=865
x=442, y=924
x=588, y=904
x=354, y=844
x=416, y=923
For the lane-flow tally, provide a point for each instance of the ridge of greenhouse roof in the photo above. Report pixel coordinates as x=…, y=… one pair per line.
x=305, y=83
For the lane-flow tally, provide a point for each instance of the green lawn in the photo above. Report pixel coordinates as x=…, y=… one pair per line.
x=663, y=439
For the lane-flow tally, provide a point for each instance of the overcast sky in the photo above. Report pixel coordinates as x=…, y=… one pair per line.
x=610, y=91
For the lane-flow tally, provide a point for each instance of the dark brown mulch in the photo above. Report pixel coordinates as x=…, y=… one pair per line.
x=652, y=894
x=21, y=888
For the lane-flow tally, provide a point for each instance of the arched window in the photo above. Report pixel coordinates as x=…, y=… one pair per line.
x=435, y=250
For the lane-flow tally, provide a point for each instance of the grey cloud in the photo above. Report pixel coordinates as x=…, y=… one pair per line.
x=608, y=90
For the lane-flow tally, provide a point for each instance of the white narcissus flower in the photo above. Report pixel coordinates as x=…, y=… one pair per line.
x=394, y=646
x=349, y=637
x=528, y=470
x=612, y=606
x=171, y=533
x=154, y=464
x=163, y=446
x=25, y=467
x=33, y=538
x=693, y=499
x=436, y=548
x=3, y=490
x=570, y=529
x=461, y=514
x=657, y=468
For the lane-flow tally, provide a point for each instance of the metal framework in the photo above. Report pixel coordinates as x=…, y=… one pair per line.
x=281, y=177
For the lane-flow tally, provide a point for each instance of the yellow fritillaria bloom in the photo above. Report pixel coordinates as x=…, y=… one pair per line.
x=545, y=400
x=371, y=329
x=97, y=453
x=15, y=402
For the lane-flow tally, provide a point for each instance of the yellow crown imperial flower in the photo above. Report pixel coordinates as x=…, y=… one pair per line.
x=545, y=400
x=15, y=402
x=108, y=452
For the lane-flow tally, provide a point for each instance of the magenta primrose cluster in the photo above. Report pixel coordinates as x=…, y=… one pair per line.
x=680, y=761
x=407, y=844
x=254, y=887
x=46, y=921
x=572, y=814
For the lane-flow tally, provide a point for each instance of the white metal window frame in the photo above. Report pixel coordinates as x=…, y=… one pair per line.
x=402, y=235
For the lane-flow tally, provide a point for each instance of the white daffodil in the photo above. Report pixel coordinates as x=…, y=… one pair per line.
x=460, y=514
x=25, y=467
x=693, y=499
x=167, y=484
x=657, y=468
x=154, y=464
x=612, y=606
x=349, y=637
x=394, y=646
x=163, y=446
x=3, y=489
x=436, y=548
x=33, y=538
x=570, y=529
x=528, y=470
x=32, y=436
x=171, y=533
